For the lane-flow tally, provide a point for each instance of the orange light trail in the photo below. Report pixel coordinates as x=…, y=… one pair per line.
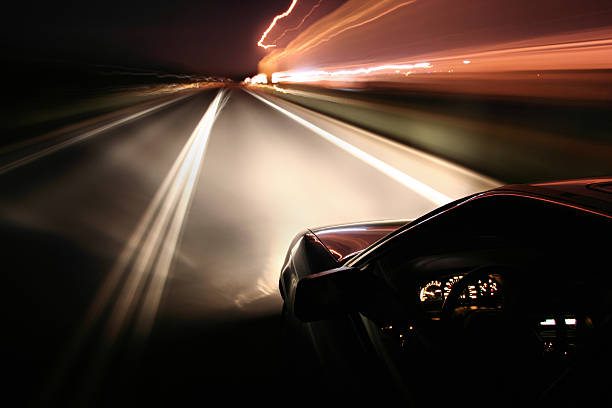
x=443, y=46
x=351, y=27
x=301, y=22
x=319, y=75
x=278, y=17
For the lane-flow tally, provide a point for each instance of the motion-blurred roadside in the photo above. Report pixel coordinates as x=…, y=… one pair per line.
x=520, y=91
x=46, y=100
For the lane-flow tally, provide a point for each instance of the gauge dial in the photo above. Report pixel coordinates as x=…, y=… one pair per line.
x=431, y=292
x=488, y=287
x=448, y=286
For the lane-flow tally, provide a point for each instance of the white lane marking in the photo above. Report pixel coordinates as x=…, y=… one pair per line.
x=62, y=145
x=157, y=250
x=150, y=303
x=149, y=250
x=417, y=186
x=482, y=179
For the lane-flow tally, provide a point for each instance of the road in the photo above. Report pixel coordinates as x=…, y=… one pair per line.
x=141, y=261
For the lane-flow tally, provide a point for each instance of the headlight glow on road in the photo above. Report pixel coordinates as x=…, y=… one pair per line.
x=417, y=186
x=132, y=290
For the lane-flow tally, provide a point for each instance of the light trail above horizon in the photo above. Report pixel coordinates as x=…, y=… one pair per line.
x=319, y=75
x=445, y=46
x=297, y=27
x=273, y=23
x=358, y=24
x=509, y=57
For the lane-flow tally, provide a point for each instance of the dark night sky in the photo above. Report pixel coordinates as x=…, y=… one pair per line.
x=216, y=37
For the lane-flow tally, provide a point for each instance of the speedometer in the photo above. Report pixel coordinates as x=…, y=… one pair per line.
x=448, y=286
x=431, y=292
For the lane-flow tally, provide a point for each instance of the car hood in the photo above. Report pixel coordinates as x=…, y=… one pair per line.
x=344, y=241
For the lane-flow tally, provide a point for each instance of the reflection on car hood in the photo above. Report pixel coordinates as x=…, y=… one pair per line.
x=344, y=241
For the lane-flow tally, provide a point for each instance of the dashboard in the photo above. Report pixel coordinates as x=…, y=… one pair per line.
x=484, y=292
x=557, y=332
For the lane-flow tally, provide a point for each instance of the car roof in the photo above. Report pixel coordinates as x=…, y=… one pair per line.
x=590, y=193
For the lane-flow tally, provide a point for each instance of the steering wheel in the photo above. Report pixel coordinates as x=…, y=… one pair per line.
x=507, y=315
x=500, y=274
x=501, y=331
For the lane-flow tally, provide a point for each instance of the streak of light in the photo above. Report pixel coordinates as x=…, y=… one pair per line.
x=77, y=139
x=334, y=230
x=158, y=248
x=259, y=79
x=572, y=44
x=545, y=51
x=301, y=22
x=319, y=75
x=172, y=88
x=168, y=207
x=335, y=30
x=417, y=186
x=362, y=23
x=273, y=23
x=150, y=305
x=575, y=55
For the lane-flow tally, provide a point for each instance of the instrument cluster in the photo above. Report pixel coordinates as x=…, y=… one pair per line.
x=433, y=293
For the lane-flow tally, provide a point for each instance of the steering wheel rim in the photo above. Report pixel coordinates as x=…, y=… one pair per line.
x=481, y=272
x=514, y=337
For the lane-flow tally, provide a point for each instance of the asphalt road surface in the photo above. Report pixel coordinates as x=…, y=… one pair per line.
x=141, y=262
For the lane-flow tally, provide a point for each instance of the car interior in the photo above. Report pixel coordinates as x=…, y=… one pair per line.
x=509, y=305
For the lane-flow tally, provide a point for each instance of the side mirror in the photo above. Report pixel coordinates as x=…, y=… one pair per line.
x=331, y=293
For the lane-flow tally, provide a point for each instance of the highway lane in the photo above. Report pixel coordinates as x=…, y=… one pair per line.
x=188, y=246
x=65, y=219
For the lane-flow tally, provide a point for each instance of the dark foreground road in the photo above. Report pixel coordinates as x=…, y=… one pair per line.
x=140, y=265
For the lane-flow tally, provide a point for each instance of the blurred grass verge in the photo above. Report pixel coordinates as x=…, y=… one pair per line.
x=45, y=103
x=55, y=121
x=514, y=140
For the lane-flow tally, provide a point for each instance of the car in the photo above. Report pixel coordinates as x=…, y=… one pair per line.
x=501, y=298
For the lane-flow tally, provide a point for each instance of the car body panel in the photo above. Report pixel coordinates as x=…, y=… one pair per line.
x=594, y=194
x=589, y=195
x=320, y=249
x=523, y=208
x=344, y=241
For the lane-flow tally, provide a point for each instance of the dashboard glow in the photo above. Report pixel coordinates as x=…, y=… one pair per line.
x=439, y=290
x=431, y=291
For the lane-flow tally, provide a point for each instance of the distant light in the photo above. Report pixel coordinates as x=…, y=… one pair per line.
x=570, y=322
x=319, y=75
x=276, y=77
x=548, y=322
x=259, y=79
x=467, y=61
